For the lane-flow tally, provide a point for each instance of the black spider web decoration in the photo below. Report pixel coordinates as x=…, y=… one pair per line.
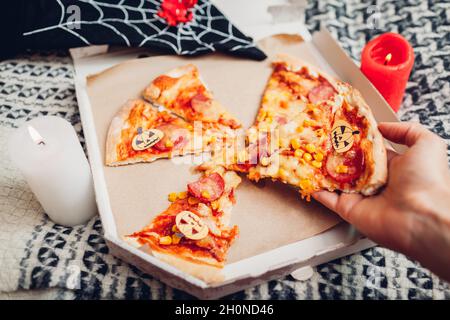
x=133, y=23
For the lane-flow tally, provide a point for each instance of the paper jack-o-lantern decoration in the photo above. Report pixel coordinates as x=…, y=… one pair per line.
x=191, y=225
x=342, y=136
x=146, y=138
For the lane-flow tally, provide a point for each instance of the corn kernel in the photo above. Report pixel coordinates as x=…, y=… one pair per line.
x=174, y=228
x=215, y=205
x=172, y=196
x=182, y=195
x=265, y=161
x=310, y=148
x=175, y=239
x=302, y=161
x=205, y=194
x=305, y=184
x=307, y=156
x=165, y=240
x=283, y=173
x=341, y=168
x=316, y=164
x=192, y=200
x=309, y=123
x=318, y=156
x=299, y=153
x=295, y=143
x=190, y=127
x=300, y=129
x=169, y=144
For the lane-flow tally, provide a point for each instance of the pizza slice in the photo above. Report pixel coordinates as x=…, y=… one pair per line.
x=193, y=233
x=329, y=149
x=141, y=133
x=183, y=92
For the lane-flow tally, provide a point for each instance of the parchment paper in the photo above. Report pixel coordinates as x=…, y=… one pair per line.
x=268, y=214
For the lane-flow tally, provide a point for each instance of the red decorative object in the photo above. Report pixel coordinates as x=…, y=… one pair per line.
x=387, y=62
x=176, y=11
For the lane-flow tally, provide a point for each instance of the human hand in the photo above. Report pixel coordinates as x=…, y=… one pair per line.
x=412, y=213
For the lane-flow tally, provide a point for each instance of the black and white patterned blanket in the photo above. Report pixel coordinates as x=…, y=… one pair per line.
x=35, y=253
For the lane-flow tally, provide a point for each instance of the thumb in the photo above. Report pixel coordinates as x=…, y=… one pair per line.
x=407, y=133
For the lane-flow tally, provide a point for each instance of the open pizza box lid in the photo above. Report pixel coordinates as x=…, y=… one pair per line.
x=279, y=233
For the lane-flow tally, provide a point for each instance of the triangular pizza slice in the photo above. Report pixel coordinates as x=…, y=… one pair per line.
x=193, y=233
x=182, y=91
x=139, y=132
x=329, y=149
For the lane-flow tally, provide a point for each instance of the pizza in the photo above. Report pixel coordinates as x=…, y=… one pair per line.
x=139, y=132
x=332, y=141
x=194, y=233
x=183, y=92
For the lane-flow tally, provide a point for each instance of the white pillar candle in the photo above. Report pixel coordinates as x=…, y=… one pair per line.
x=49, y=155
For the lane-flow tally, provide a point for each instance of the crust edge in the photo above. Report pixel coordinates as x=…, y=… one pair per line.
x=380, y=170
x=208, y=273
x=115, y=130
x=297, y=63
x=379, y=175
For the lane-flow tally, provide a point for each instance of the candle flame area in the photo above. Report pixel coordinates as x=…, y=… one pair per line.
x=387, y=58
x=34, y=134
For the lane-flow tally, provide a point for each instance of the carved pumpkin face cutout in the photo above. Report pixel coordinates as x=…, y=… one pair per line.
x=342, y=136
x=146, y=138
x=191, y=225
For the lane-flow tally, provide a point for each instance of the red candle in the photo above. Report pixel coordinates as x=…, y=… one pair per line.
x=387, y=62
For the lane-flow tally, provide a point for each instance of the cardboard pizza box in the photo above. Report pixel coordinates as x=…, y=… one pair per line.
x=279, y=233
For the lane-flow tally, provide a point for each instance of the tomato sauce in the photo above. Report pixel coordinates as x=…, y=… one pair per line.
x=212, y=246
x=353, y=118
